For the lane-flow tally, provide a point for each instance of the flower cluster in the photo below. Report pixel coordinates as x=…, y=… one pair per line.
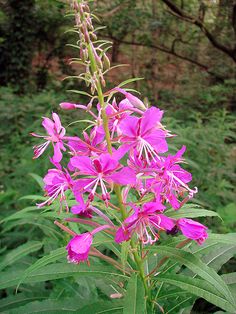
x=138, y=139
x=125, y=147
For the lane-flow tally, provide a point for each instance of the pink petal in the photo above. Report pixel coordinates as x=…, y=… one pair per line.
x=157, y=140
x=57, y=122
x=108, y=163
x=152, y=207
x=166, y=222
x=48, y=125
x=122, y=235
x=79, y=186
x=57, y=157
x=150, y=119
x=123, y=177
x=129, y=126
x=84, y=164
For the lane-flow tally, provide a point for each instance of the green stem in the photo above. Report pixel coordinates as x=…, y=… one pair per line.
x=117, y=189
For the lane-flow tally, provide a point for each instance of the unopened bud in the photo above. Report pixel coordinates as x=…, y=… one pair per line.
x=86, y=34
x=67, y=106
x=135, y=101
x=77, y=20
x=75, y=5
x=93, y=36
x=102, y=79
x=81, y=9
x=86, y=8
x=106, y=62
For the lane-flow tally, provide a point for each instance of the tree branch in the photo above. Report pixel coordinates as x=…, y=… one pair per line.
x=180, y=13
x=172, y=52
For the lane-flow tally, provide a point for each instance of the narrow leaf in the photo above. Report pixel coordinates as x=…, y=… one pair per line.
x=79, y=92
x=57, y=271
x=199, y=288
x=191, y=213
x=197, y=266
x=134, y=302
x=130, y=81
x=20, y=252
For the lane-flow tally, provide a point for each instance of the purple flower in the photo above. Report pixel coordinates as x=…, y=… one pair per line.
x=192, y=230
x=91, y=145
x=99, y=172
x=56, y=182
x=81, y=208
x=78, y=248
x=146, y=221
x=116, y=113
x=55, y=136
x=145, y=134
x=171, y=180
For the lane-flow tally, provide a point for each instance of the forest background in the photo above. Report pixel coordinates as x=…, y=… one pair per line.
x=184, y=50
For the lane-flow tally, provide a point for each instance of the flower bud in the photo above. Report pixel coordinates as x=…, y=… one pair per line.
x=106, y=62
x=135, y=101
x=67, y=106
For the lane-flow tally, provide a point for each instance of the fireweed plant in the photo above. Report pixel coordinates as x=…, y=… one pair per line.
x=122, y=163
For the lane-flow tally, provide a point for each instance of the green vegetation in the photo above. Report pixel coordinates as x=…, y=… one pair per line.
x=187, y=76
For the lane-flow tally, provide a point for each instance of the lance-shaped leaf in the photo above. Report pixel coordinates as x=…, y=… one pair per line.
x=199, y=288
x=57, y=271
x=191, y=213
x=20, y=252
x=134, y=302
x=197, y=266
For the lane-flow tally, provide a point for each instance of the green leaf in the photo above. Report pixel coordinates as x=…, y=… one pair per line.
x=130, y=81
x=134, y=302
x=229, y=238
x=219, y=256
x=20, y=252
x=45, y=260
x=197, y=266
x=230, y=279
x=111, y=307
x=79, y=92
x=124, y=252
x=199, y=288
x=38, y=179
x=33, y=197
x=16, y=301
x=65, y=306
x=57, y=271
x=191, y=213
x=19, y=214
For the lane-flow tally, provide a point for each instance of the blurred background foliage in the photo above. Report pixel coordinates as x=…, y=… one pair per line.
x=185, y=50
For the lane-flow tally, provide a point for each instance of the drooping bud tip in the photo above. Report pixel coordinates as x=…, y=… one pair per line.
x=67, y=106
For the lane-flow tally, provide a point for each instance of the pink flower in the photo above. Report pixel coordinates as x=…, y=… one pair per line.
x=56, y=182
x=78, y=248
x=99, y=172
x=116, y=113
x=145, y=134
x=81, y=208
x=91, y=145
x=55, y=136
x=171, y=180
x=146, y=221
x=192, y=230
